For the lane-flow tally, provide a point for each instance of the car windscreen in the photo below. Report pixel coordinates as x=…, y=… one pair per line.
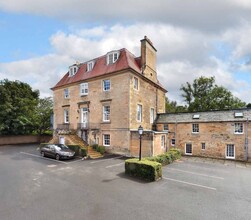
x=61, y=147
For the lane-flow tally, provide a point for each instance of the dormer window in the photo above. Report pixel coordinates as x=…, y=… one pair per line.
x=72, y=70
x=90, y=65
x=112, y=57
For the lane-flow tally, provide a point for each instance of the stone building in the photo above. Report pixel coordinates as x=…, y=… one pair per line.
x=218, y=134
x=106, y=99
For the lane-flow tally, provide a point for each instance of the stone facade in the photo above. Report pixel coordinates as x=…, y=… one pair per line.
x=131, y=86
x=210, y=134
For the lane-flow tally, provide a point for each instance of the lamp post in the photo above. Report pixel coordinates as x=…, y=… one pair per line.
x=140, y=130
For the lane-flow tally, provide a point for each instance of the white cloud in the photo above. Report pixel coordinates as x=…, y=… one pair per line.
x=206, y=15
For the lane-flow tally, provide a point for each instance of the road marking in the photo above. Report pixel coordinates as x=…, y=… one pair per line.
x=192, y=184
x=115, y=165
x=97, y=161
x=45, y=158
x=198, y=174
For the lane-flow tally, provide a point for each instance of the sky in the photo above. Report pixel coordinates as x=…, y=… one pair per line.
x=41, y=39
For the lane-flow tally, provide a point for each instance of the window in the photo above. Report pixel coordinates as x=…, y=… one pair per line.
x=230, y=151
x=90, y=66
x=162, y=141
x=106, y=85
x=106, y=113
x=196, y=116
x=84, y=89
x=139, y=113
x=165, y=127
x=66, y=93
x=151, y=115
x=72, y=70
x=203, y=146
x=66, y=116
x=173, y=142
x=238, y=128
x=238, y=114
x=136, y=83
x=106, y=140
x=195, y=128
x=188, y=149
x=112, y=57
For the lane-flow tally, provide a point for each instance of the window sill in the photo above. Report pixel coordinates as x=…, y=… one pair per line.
x=83, y=95
x=106, y=122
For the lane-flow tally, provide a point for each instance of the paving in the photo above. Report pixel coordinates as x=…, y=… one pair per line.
x=37, y=188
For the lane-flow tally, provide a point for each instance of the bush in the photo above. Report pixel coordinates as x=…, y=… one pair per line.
x=166, y=158
x=83, y=152
x=75, y=148
x=95, y=147
x=101, y=149
x=144, y=169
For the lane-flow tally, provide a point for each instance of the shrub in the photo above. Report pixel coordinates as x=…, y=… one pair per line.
x=176, y=153
x=75, y=148
x=95, y=147
x=101, y=149
x=83, y=152
x=144, y=169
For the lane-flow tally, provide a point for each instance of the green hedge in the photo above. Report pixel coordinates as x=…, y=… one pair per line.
x=100, y=149
x=166, y=158
x=147, y=170
x=83, y=152
x=75, y=148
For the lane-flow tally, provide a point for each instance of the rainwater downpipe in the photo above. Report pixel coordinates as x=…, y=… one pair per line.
x=246, y=141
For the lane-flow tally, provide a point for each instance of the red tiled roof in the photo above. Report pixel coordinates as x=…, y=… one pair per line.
x=126, y=60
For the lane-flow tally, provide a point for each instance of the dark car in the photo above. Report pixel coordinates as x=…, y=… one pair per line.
x=58, y=151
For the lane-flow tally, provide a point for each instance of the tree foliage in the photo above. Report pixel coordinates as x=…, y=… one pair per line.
x=173, y=107
x=21, y=110
x=204, y=95
x=42, y=115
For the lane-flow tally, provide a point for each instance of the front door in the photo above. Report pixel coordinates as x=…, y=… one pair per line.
x=84, y=118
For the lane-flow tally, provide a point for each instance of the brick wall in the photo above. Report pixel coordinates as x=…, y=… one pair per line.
x=23, y=139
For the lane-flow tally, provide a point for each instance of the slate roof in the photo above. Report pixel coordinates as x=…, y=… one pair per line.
x=210, y=116
x=125, y=61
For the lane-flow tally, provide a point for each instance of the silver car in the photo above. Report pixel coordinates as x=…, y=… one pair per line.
x=58, y=151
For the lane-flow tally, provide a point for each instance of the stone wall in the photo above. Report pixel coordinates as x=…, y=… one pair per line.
x=23, y=139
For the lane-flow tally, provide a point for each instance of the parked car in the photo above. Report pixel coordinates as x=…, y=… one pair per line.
x=58, y=151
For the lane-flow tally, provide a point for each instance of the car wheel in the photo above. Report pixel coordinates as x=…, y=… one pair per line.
x=57, y=157
x=42, y=154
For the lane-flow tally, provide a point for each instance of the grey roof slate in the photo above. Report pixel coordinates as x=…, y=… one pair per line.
x=210, y=116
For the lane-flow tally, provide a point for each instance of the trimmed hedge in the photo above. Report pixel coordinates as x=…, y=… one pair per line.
x=144, y=169
x=166, y=158
x=83, y=152
x=75, y=148
x=100, y=149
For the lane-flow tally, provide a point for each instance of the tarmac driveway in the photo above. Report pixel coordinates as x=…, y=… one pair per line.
x=32, y=187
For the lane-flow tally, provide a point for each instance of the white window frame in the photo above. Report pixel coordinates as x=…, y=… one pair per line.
x=203, y=146
x=152, y=115
x=66, y=93
x=228, y=151
x=90, y=65
x=106, y=140
x=112, y=57
x=195, y=128
x=106, y=113
x=136, y=83
x=188, y=153
x=164, y=128
x=163, y=140
x=238, y=128
x=139, y=113
x=66, y=116
x=84, y=89
x=173, y=142
x=105, y=86
x=73, y=70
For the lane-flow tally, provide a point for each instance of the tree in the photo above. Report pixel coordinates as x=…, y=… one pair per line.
x=205, y=95
x=249, y=105
x=17, y=106
x=42, y=115
x=172, y=107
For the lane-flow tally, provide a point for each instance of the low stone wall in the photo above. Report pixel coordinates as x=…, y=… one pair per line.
x=23, y=139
